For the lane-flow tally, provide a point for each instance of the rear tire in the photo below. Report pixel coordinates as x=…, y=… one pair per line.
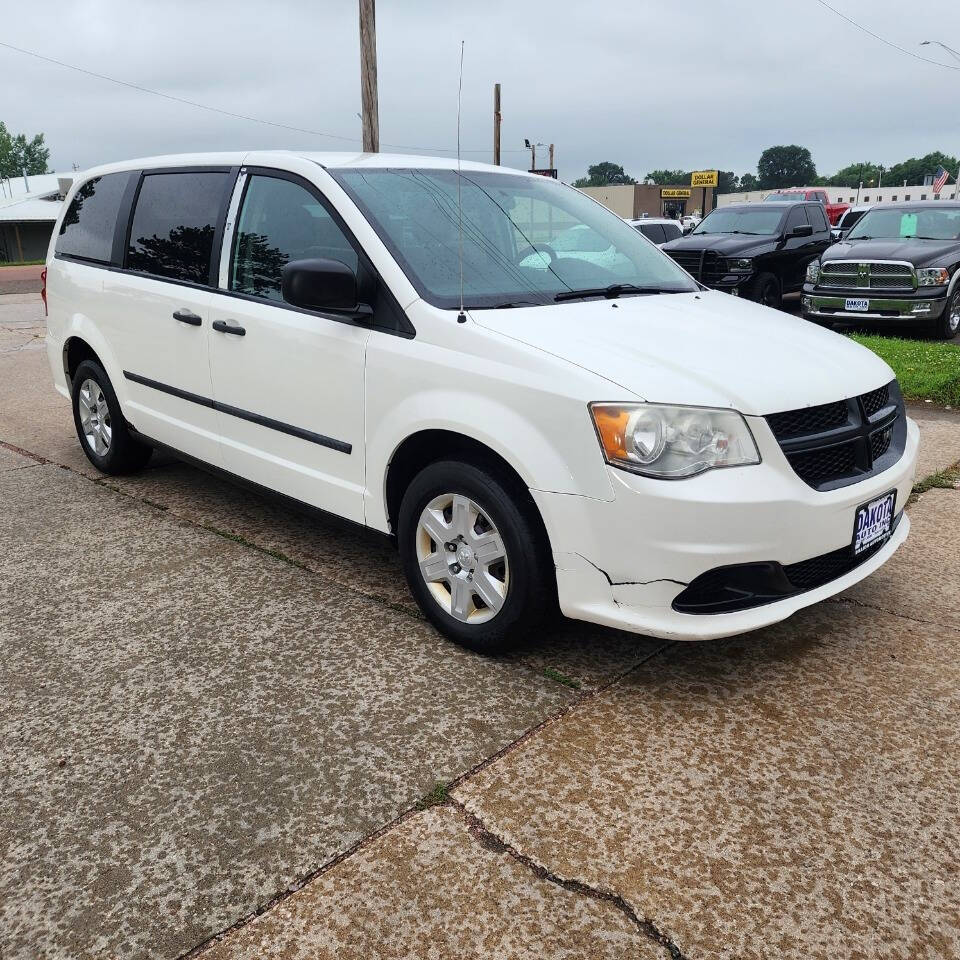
x=766, y=291
x=101, y=428
x=475, y=555
x=947, y=325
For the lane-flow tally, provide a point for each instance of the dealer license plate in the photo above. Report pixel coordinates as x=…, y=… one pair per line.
x=873, y=522
x=856, y=304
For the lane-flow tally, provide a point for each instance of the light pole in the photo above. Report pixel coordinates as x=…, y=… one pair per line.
x=956, y=56
x=532, y=147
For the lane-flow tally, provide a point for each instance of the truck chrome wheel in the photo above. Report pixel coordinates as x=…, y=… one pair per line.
x=953, y=318
x=462, y=558
x=95, y=417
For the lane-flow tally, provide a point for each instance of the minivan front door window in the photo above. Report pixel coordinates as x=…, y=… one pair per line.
x=280, y=221
x=175, y=223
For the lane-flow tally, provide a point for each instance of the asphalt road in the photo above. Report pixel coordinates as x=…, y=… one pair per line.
x=219, y=717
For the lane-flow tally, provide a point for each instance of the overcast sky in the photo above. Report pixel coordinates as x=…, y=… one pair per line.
x=644, y=83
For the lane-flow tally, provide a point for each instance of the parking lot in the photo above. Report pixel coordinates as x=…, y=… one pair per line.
x=230, y=734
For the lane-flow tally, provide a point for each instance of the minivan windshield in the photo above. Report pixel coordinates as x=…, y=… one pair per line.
x=901, y=223
x=759, y=221
x=527, y=241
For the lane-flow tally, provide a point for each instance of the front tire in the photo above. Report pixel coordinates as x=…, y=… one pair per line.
x=766, y=291
x=947, y=325
x=101, y=429
x=475, y=555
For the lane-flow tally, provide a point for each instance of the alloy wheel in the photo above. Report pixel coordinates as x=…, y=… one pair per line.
x=462, y=558
x=94, y=417
x=953, y=318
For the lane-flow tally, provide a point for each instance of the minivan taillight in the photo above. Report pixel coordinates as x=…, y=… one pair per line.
x=43, y=290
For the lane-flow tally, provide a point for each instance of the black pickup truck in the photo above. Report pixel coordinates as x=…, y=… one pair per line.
x=900, y=263
x=755, y=250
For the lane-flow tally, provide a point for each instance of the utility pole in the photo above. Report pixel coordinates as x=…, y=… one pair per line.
x=368, y=76
x=496, y=124
x=551, y=156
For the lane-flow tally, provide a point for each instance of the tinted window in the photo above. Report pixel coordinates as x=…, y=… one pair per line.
x=281, y=221
x=756, y=220
x=653, y=231
x=174, y=225
x=87, y=228
x=818, y=218
x=671, y=231
x=796, y=217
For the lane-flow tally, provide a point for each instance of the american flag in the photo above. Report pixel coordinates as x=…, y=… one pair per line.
x=939, y=179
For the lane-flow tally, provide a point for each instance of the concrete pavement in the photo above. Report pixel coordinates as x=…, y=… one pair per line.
x=221, y=716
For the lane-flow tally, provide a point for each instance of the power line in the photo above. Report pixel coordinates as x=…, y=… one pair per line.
x=889, y=43
x=226, y=113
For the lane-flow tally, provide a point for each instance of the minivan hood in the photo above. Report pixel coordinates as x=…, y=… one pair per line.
x=704, y=349
x=920, y=253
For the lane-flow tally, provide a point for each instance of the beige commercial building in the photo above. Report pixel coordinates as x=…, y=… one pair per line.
x=631, y=201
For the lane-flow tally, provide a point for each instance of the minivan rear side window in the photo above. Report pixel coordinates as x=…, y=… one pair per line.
x=174, y=224
x=88, y=227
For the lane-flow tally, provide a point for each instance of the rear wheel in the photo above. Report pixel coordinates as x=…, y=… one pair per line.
x=474, y=555
x=100, y=425
x=766, y=291
x=947, y=325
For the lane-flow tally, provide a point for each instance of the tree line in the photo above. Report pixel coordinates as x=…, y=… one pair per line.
x=785, y=166
x=18, y=154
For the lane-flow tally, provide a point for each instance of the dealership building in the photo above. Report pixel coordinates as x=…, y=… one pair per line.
x=633, y=201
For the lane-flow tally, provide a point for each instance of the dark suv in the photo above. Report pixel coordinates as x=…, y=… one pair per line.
x=755, y=250
x=899, y=263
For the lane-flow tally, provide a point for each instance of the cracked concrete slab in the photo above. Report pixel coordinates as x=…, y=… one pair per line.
x=939, y=437
x=191, y=726
x=430, y=887
x=791, y=793
x=920, y=580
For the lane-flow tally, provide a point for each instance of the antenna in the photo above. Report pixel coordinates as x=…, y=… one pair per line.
x=461, y=317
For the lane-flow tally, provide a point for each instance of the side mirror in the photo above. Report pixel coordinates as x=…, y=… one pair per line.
x=321, y=285
x=801, y=230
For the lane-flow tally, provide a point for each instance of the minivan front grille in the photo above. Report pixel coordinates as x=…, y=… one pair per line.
x=705, y=265
x=868, y=275
x=835, y=444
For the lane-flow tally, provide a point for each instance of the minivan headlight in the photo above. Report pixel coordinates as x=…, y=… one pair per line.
x=933, y=277
x=813, y=271
x=669, y=442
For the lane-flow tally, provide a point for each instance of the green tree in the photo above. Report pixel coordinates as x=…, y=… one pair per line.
x=667, y=177
x=785, y=166
x=749, y=182
x=851, y=175
x=17, y=154
x=916, y=168
x=603, y=174
x=727, y=182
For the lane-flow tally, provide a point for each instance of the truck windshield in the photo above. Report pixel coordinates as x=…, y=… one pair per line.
x=921, y=223
x=526, y=240
x=761, y=221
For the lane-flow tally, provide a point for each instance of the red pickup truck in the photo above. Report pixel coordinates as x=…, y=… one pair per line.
x=834, y=210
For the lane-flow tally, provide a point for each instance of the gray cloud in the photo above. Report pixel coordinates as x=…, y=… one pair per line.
x=646, y=84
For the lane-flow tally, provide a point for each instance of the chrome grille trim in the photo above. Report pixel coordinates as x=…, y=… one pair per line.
x=867, y=275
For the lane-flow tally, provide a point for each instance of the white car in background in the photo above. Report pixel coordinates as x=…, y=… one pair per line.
x=540, y=407
x=658, y=230
x=689, y=221
x=849, y=219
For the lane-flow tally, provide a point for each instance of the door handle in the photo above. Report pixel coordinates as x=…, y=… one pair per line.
x=221, y=326
x=187, y=316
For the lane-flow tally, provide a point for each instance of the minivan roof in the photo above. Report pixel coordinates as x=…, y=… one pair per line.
x=330, y=160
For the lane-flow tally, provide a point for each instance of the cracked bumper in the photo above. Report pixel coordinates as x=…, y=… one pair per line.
x=621, y=562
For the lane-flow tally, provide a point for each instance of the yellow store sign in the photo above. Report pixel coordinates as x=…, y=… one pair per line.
x=704, y=178
x=672, y=193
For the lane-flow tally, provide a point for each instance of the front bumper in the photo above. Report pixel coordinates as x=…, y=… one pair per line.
x=623, y=562
x=920, y=306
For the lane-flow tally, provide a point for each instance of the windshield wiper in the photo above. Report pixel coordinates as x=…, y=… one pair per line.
x=515, y=303
x=611, y=293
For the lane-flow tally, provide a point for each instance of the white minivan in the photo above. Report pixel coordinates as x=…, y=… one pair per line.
x=398, y=342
